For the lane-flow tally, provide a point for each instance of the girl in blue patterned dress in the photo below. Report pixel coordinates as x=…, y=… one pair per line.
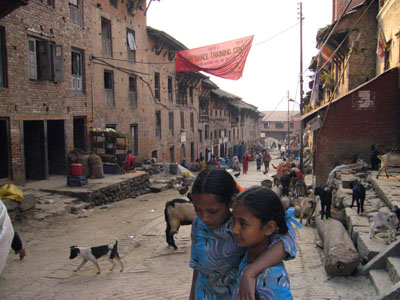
x=258, y=215
x=215, y=256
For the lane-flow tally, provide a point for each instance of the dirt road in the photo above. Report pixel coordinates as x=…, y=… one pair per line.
x=152, y=271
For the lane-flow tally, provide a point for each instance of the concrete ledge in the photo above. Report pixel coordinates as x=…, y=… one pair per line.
x=110, y=189
x=392, y=294
x=369, y=248
x=380, y=280
x=379, y=261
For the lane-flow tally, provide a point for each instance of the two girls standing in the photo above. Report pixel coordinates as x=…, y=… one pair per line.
x=222, y=267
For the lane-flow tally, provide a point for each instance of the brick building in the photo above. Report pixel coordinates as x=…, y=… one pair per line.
x=68, y=67
x=275, y=124
x=42, y=112
x=361, y=107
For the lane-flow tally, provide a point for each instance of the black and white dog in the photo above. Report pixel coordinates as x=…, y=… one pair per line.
x=326, y=201
x=358, y=195
x=94, y=253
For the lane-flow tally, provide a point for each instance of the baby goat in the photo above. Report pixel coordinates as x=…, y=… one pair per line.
x=326, y=201
x=358, y=195
x=177, y=212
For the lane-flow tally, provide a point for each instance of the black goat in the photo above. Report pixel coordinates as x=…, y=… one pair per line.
x=285, y=181
x=177, y=212
x=358, y=195
x=326, y=201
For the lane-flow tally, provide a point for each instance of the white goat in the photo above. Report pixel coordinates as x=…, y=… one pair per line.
x=389, y=159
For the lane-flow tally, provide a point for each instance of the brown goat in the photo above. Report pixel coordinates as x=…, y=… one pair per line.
x=389, y=159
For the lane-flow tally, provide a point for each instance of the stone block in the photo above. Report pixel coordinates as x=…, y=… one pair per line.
x=356, y=221
x=347, y=179
x=356, y=230
x=11, y=205
x=28, y=203
x=369, y=248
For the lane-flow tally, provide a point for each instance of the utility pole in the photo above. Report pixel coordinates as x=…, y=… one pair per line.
x=301, y=84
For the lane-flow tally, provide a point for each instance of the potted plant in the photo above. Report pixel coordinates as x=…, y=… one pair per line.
x=329, y=81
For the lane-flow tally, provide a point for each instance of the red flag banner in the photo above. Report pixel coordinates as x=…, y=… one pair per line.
x=224, y=60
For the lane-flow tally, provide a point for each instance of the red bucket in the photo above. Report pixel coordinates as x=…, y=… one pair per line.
x=76, y=169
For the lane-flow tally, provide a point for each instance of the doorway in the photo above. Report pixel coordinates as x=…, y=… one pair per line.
x=172, y=154
x=56, y=147
x=35, y=167
x=80, y=133
x=134, y=142
x=4, y=149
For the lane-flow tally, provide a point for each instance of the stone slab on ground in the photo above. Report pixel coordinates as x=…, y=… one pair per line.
x=393, y=268
x=356, y=231
x=347, y=179
x=380, y=280
x=369, y=248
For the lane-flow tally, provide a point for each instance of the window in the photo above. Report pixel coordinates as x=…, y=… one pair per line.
x=75, y=11
x=132, y=92
x=49, y=2
x=229, y=135
x=278, y=125
x=157, y=86
x=3, y=58
x=191, y=94
x=45, y=60
x=170, y=90
x=77, y=70
x=266, y=125
x=291, y=124
x=131, y=43
x=215, y=134
x=114, y=3
x=182, y=120
x=109, y=88
x=211, y=135
x=106, y=37
x=182, y=94
x=192, y=121
x=171, y=123
x=200, y=135
x=158, y=124
x=206, y=132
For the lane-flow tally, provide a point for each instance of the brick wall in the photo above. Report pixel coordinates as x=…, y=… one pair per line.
x=351, y=130
x=26, y=99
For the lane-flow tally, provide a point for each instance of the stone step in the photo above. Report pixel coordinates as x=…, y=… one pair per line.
x=380, y=280
x=393, y=268
x=369, y=248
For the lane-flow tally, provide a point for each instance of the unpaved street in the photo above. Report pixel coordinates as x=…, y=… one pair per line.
x=152, y=271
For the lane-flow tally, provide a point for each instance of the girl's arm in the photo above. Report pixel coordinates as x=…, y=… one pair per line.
x=273, y=255
x=193, y=288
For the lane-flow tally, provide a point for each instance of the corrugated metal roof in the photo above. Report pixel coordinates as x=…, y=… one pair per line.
x=280, y=116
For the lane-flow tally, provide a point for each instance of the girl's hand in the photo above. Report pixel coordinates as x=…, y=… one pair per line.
x=247, y=288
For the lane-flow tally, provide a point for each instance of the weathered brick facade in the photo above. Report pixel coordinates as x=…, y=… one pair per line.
x=23, y=99
x=78, y=65
x=367, y=116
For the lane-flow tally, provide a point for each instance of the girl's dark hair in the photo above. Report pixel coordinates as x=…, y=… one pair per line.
x=265, y=205
x=217, y=182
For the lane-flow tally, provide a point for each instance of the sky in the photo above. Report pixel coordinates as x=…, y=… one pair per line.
x=273, y=65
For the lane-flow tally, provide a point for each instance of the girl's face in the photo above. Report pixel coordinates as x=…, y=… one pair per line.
x=248, y=230
x=211, y=210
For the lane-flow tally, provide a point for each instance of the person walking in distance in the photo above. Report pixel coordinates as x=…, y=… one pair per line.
x=266, y=160
x=245, y=161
